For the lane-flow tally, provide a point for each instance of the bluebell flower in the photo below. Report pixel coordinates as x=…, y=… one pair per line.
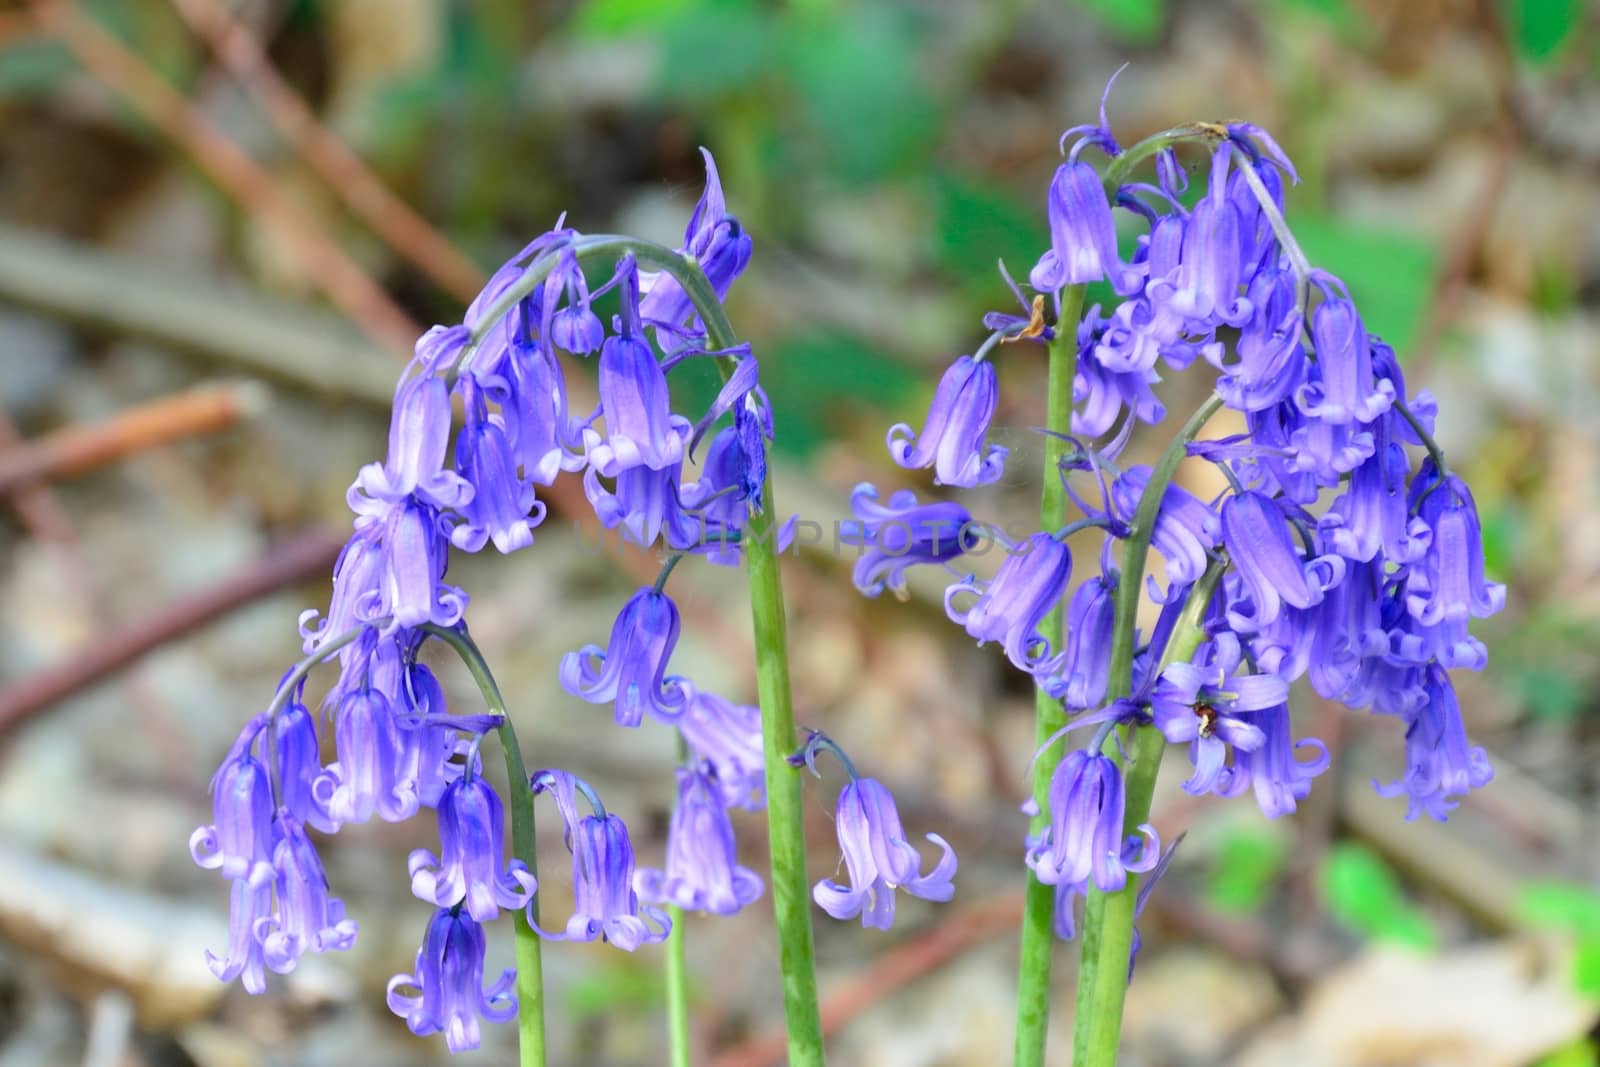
x=527, y=384
x=448, y=980
x=411, y=589
x=573, y=326
x=308, y=918
x=1370, y=516
x=356, y=598
x=702, y=872
x=1205, y=288
x=1143, y=331
x=1262, y=548
x=631, y=672
x=1274, y=769
x=1440, y=763
x=715, y=240
x=604, y=901
x=879, y=859
x=419, y=437
x=294, y=733
x=1186, y=530
x=900, y=534
x=1025, y=589
x=1100, y=394
x=249, y=904
x=1269, y=358
x=728, y=737
x=502, y=508
x=1199, y=704
x=238, y=843
x=1447, y=585
x=952, y=440
x=1083, y=237
x=646, y=505
x=641, y=430
x=365, y=780
x=1344, y=388
x=1084, y=837
x=470, y=869
x=1085, y=671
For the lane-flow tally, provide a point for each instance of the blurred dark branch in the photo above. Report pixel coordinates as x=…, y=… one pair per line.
x=345, y=284
x=306, y=556
x=75, y=449
x=363, y=192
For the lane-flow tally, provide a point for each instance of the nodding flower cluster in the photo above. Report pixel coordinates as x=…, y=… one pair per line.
x=399, y=749
x=1340, y=559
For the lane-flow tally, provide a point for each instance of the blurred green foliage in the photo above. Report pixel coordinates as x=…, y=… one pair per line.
x=1573, y=909
x=1364, y=894
x=1247, y=867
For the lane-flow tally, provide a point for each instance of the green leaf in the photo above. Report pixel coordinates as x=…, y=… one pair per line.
x=1586, y=968
x=616, y=987
x=621, y=18
x=1139, y=21
x=860, y=83
x=1580, y=1053
x=1248, y=865
x=1541, y=27
x=1364, y=894
x=1390, y=273
x=977, y=223
x=715, y=48
x=816, y=379
x=1562, y=905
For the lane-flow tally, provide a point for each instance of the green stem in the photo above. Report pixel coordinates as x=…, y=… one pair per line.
x=529, y=950
x=1103, y=987
x=1038, y=916
x=678, y=973
x=1106, y=926
x=791, y=893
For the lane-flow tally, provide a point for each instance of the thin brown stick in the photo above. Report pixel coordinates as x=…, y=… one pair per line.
x=76, y=449
x=320, y=257
x=306, y=556
x=894, y=969
x=363, y=192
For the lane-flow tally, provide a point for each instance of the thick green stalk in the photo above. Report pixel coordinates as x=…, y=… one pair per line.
x=1103, y=989
x=529, y=949
x=791, y=895
x=1038, y=916
x=1105, y=927
x=678, y=973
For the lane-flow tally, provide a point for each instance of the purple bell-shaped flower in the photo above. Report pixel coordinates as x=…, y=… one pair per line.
x=900, y=534
x=631, y=672
x=448, y=980
x=1084, y=838
x=702, y=872
x=952, y=440
x=604, y=901
x=238, y=843
x=879, y=859
x=469, y=869
x=1024, y=590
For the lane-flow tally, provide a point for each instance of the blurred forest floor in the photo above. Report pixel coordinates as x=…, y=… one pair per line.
x=222, y=224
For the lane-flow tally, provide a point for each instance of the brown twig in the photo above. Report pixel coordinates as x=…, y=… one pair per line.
x=897, y=967
x=76, y=449
x=308, y=555
x=321, y=258
x=324, y=152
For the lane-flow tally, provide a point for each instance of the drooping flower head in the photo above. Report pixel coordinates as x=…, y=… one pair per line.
x=728, y=737
x=448, y=980
x=631, y=672
x=879, y=859
x=469, y=870
x=952, y=441
x=1084, y=837
x=702, y=872
x=238, y=843
x=604, y=901
x=365, y=780
x=641, y=430
x=308, y=918
x=901, y=534
x=1197, y=703
x=1027, y=586
x=1440, y=763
